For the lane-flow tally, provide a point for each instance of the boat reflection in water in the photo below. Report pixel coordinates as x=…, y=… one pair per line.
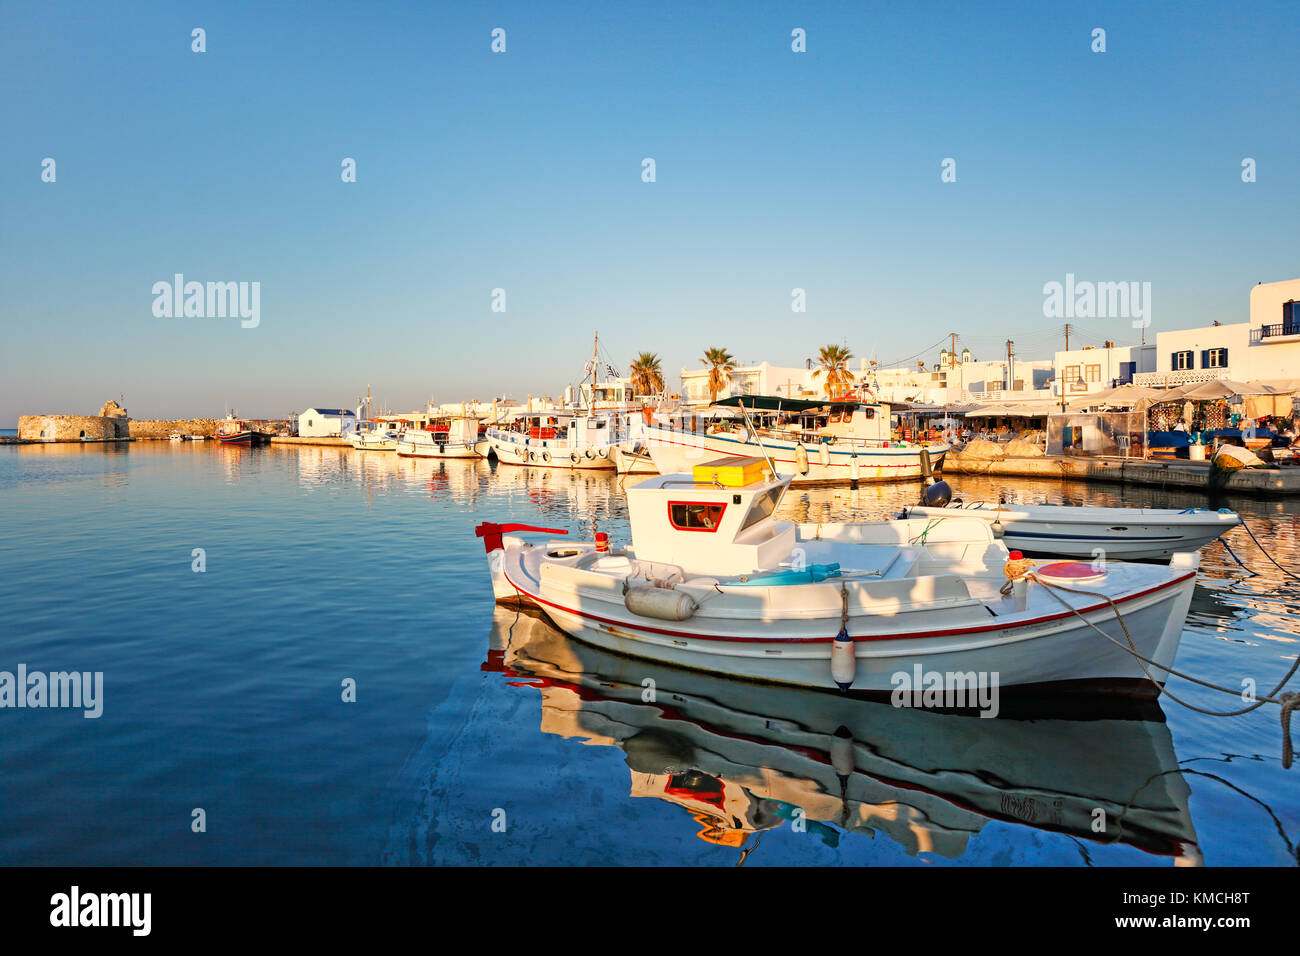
x=743, y=758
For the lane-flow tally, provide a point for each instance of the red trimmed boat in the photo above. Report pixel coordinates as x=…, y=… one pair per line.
x=235, y=431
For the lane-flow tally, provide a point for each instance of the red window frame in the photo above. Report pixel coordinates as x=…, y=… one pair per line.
x=720, y=505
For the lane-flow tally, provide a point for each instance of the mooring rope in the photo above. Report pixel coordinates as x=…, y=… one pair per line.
x=1287, y=701
x=1264, y=550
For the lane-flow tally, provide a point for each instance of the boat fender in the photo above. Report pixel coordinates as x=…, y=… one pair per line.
x=842, y=751
x=843, y=664
x=824, y=453
x=666, y=605
x=587, y=454
x=801, y=458
x=854, y=467
x=546, y=457
x=602, y=452
x=573, y=457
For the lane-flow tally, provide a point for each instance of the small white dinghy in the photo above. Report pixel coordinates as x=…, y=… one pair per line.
x=1127, y=534
x=713, y=582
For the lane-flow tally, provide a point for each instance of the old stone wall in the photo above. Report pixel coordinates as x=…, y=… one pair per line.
x=154, y=428
x=70, y=428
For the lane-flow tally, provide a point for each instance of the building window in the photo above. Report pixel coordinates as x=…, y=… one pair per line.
x=1072, y=374
x=1214, y=358
x=1180, y=361
x=1093, y=373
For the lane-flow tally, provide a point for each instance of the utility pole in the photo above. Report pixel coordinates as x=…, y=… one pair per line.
x=1011, y=367
x=1067, y=349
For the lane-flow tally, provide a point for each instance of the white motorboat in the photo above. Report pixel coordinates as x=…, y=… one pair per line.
x=380, y=435
x=713, y=581
x=1129, y=534
x=452, y=437
x=558, y=440
x=177, y=436
x=817, y=442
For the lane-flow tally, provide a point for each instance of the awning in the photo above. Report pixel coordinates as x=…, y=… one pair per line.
x=1023, y=410
x=773, y=403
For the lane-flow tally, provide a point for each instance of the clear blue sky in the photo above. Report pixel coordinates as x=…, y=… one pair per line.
x=522, y=171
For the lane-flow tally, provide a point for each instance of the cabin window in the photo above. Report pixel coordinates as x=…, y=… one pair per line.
x=762, y=507
x=834, y=417
x=695, y=515
x=848, y=415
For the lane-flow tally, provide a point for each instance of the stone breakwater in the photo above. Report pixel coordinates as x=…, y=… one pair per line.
x=146, y=428
x=108, y=427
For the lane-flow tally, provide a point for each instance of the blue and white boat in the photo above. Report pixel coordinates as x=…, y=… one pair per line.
x=815, y=442
x=1128, y=534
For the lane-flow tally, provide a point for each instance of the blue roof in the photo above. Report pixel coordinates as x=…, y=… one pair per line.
x=331, y=411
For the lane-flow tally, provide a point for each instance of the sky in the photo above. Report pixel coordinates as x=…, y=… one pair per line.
x=523, y=171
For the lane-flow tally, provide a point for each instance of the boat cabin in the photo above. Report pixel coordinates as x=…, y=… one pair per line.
x=454, y=430
x=717, y=520
x=814, y=420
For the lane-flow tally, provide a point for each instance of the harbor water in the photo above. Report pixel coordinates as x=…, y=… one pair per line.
x=302, y=664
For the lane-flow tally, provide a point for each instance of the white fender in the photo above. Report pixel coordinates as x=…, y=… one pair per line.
x=824, y=453
x=546, y=456
x=855, y=468
x=662, y=603
x=801, y=458
x=843, y=664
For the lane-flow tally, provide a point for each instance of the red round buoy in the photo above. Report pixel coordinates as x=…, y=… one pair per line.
x=1016, y=556
x=1071, y=572
x=602, y=541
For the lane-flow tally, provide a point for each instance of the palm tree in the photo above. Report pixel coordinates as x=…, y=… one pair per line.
x=647, y=377
x=720, y=364
x=834, y=361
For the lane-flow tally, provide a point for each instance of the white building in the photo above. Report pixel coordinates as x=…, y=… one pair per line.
x=326, y=423
x=1263, y=348
x=1092, y=369
x=961, y=378
x=761, y=379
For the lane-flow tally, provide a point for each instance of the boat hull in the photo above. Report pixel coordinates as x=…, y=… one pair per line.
x=407, y=449
x=546, y=453
x=787, y=635
x=244, y=438
x=675, y=450
x=1129, y=534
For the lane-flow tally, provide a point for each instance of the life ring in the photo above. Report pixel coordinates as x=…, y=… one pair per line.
x=602, y=451
x=546, y=456
x=588, y=454
x=532, y=456
x=573, y=457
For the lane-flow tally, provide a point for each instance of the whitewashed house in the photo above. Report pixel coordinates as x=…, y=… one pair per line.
x=327, y=423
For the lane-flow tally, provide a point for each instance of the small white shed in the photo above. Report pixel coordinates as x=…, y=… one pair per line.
x=326, y=423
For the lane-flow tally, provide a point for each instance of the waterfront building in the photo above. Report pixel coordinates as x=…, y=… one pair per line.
x=1100, y=368
x=1263, y=348
x=327, y=423
x=761, y=379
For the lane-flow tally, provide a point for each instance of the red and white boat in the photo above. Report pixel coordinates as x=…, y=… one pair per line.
x=713, y=581
x=452, y=437
x=235, y=431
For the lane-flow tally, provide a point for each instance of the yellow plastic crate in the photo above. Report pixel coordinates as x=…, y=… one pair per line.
x=732, y=472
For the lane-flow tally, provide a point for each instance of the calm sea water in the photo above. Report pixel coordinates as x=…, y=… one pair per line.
x=223, y=692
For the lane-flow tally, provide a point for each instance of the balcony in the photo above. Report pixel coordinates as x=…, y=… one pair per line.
x=1280, y=332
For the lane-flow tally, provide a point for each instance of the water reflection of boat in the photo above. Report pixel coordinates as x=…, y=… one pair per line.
x=742, y=758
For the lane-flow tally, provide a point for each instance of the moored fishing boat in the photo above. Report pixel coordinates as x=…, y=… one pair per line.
x=816, y=442
x=451, y=437
x=713, y=581
x=235, y=431
x=381, y=434
x=558, y=440
x=1124, y=533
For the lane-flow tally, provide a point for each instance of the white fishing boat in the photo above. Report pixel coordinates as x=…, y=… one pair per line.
x=1128, y=534
x=558, y=440
x=816, y=442
x=713, y=581
x=381, y=434
x=455, y=436
x=177, y=436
